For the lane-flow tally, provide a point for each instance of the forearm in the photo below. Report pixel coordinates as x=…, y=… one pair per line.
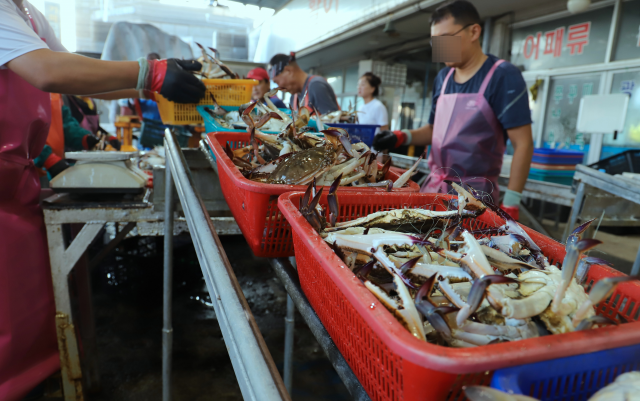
x=69, y=73
x=520, y=164
x=121, y=94
x=422, y=136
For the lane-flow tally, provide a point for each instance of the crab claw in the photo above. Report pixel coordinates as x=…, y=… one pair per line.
x=228, y=151
x=585, y=265
x=599, y=292
x=408, y=265
x=332, y=201
x=424, y=306
x=589, y=322
x=363, y=271
x=266, y=117
x=477, y=292
x=247, y=108
x=385, y=169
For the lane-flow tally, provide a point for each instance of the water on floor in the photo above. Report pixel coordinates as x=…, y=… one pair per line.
x=127, y=299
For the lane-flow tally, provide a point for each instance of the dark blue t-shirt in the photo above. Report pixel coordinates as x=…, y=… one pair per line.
x=506, y=92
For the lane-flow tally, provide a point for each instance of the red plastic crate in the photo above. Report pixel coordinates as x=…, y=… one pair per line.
x=255, y=205
x=390, y=363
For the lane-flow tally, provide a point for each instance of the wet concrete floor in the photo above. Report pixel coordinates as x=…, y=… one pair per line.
x=127, y=297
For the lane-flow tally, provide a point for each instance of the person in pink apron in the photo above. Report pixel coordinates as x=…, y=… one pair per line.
x=477, y=103
x=32, y=61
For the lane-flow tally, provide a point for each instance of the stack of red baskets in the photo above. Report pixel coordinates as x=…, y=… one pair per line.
x=390, y=363
x=254, y=205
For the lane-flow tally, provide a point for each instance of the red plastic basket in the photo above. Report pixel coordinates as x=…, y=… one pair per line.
x=390, y=363
x=255, y=205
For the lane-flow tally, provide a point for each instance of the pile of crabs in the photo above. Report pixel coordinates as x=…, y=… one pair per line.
x=296, y=157
x=449, y=288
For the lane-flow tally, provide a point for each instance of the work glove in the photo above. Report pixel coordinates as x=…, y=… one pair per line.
x=90, y=142
x=511, y=203
x=58, y=168
x=172, y=78
x=387, y=140
x=114, y=142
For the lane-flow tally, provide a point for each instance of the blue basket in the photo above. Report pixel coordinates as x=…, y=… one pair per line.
x=554, y=156
x=212, y=125
x=573, y=378
x=358, y=132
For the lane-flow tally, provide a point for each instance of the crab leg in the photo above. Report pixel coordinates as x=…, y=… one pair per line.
x=600, y=291
x=585, y=265
x=476, y=295
x=503, y=262
x=404, y=178
x=405, y=311
x=569, y=267
x=589, y=322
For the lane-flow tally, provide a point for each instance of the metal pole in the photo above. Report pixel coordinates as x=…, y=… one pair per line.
x=167, y=329
x=575, y=211
x=289, y=277
x=636, y=265
x=289, y=325
x=486, y=37
x=258, y=377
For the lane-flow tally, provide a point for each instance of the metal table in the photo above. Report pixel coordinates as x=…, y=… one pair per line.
x=617, y=186
x=61, y=210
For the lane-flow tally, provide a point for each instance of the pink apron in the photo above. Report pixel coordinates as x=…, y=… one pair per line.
x=28, y=344
x=468, y=141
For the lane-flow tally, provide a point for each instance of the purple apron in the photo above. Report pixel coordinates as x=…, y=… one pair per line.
x=468, y=141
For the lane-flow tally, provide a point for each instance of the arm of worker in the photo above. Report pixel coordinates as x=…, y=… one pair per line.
x=69, y=73
x=120, y=94
x=50, y=161
x=387, y=140
x=77, y=138
x=522, y=141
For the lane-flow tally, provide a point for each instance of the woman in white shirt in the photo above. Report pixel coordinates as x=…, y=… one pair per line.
x=373, y=112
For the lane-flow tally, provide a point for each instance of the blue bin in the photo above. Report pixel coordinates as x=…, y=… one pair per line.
x=554, y=156
x=358, y=132
x=211, y=125
x=573, y=378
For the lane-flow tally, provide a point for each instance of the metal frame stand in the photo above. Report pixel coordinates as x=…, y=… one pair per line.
x=57, y=213
x=615, y=185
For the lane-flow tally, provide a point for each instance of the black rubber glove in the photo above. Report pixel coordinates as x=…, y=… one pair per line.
x=114, y=142
x=172, y=78
x=58, y=168
x=387, y=140
x=91, y=142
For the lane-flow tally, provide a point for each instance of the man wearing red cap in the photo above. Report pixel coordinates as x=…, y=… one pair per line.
x=264, y=86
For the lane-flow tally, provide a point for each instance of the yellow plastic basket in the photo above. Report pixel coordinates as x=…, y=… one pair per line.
x=227, y=92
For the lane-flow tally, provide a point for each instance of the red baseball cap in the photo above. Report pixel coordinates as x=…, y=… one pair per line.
x=258, y=73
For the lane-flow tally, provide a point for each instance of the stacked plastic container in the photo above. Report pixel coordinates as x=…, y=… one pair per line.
x=553, y=165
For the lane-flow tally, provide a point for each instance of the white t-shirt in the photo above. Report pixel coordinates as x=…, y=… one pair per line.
x=17, y=36
x=373, y=113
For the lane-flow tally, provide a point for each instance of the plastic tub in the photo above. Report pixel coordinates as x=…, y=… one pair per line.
x=573, y=378
x=255, y=205
x=212, y=125
x=390, y=363
x=625, y=162
x=226, y=92
x=553, y=156
x=358, y=132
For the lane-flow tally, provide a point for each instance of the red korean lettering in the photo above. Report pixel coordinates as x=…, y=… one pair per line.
x=531, y=45
x=549, y=41
x=578, y=37
x=558, y=46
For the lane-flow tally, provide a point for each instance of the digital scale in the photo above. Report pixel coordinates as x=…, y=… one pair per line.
x=101, y=172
